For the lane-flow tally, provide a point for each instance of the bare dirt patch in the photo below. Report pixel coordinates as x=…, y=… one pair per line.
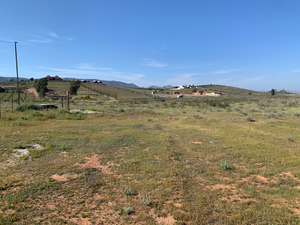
x=93, y=162
x=197, y=142
x=32, y=91
x=64, y=177
x=83, y=111
x=80, y=221
x=169, y=220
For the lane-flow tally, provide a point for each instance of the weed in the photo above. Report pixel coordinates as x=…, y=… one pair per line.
x=26, y=107
x=289, y=138
x=146, y=200
x=224, y=164
x=183, y=111
x=249, y=118
x=271, y=115
x=127, y=192
x=128, y=210
x=228, y=109
x=21, y=118
x=297, y=114
x=85, y=174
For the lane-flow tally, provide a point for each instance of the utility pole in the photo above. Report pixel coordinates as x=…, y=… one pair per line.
x=18, y=99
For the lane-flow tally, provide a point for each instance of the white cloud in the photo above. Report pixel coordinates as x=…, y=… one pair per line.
x=253, y=79
x=224, y=71
x=53, y=34
x=153, y=63
x=41, y=41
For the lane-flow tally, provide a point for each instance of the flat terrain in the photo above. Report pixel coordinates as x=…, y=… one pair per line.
x=131, y=161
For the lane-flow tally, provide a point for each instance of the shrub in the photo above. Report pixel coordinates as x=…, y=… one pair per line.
x=146, y=200
x=297, y=114
x=127, y=192
x=74, y=86
x=21, y=118
x=87, y=97
x=224, y=164
x=249, y=118
x=289, y=138
x=194, y=90
x=25, y=107
x=41, y=84
x=272, y=92
x=128, y=210
x=196, y=115
x=42, y=93
x=271, y=115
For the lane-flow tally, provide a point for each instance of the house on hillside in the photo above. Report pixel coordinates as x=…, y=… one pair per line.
x=55, y=78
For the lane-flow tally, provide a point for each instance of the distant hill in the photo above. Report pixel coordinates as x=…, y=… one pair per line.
x=227, y=89
x=166, y=86
x=7, y=79
x=108, y=82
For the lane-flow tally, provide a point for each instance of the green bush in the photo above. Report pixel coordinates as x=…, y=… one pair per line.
x=196, y=115
x=74, y=86
x=224, y=164
x=42, y=93
x=297, y=114
x=249, y=118
x=26, y=107
x=41, y=84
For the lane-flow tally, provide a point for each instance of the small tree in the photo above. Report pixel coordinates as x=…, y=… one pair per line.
x=42, y=93
x=41, y=84
x=31, y=79
x=74, y=86
x=272, y=92
x=11, y=80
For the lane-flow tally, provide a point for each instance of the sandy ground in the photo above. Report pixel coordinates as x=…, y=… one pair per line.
x=32, y=91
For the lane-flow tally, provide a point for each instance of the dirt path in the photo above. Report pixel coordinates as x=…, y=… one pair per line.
x=32, y=91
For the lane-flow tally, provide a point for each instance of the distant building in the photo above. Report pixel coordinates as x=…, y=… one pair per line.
x=56, y=78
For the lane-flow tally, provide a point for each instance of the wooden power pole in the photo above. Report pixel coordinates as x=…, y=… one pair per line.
x=17, y=70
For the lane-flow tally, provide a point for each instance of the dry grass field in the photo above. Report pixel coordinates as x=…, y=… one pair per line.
x=178, y=161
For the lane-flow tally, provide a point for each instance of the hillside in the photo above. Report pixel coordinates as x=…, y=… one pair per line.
x=7, y=79
x=228, y=90
x=107, y=82
x=57, y=88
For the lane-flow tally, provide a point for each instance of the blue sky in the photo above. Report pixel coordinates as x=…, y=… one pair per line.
x=252, y=44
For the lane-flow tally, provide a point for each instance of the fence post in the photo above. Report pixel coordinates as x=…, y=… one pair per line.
x=12, y=102
x=68, y=102
x=62, y=102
